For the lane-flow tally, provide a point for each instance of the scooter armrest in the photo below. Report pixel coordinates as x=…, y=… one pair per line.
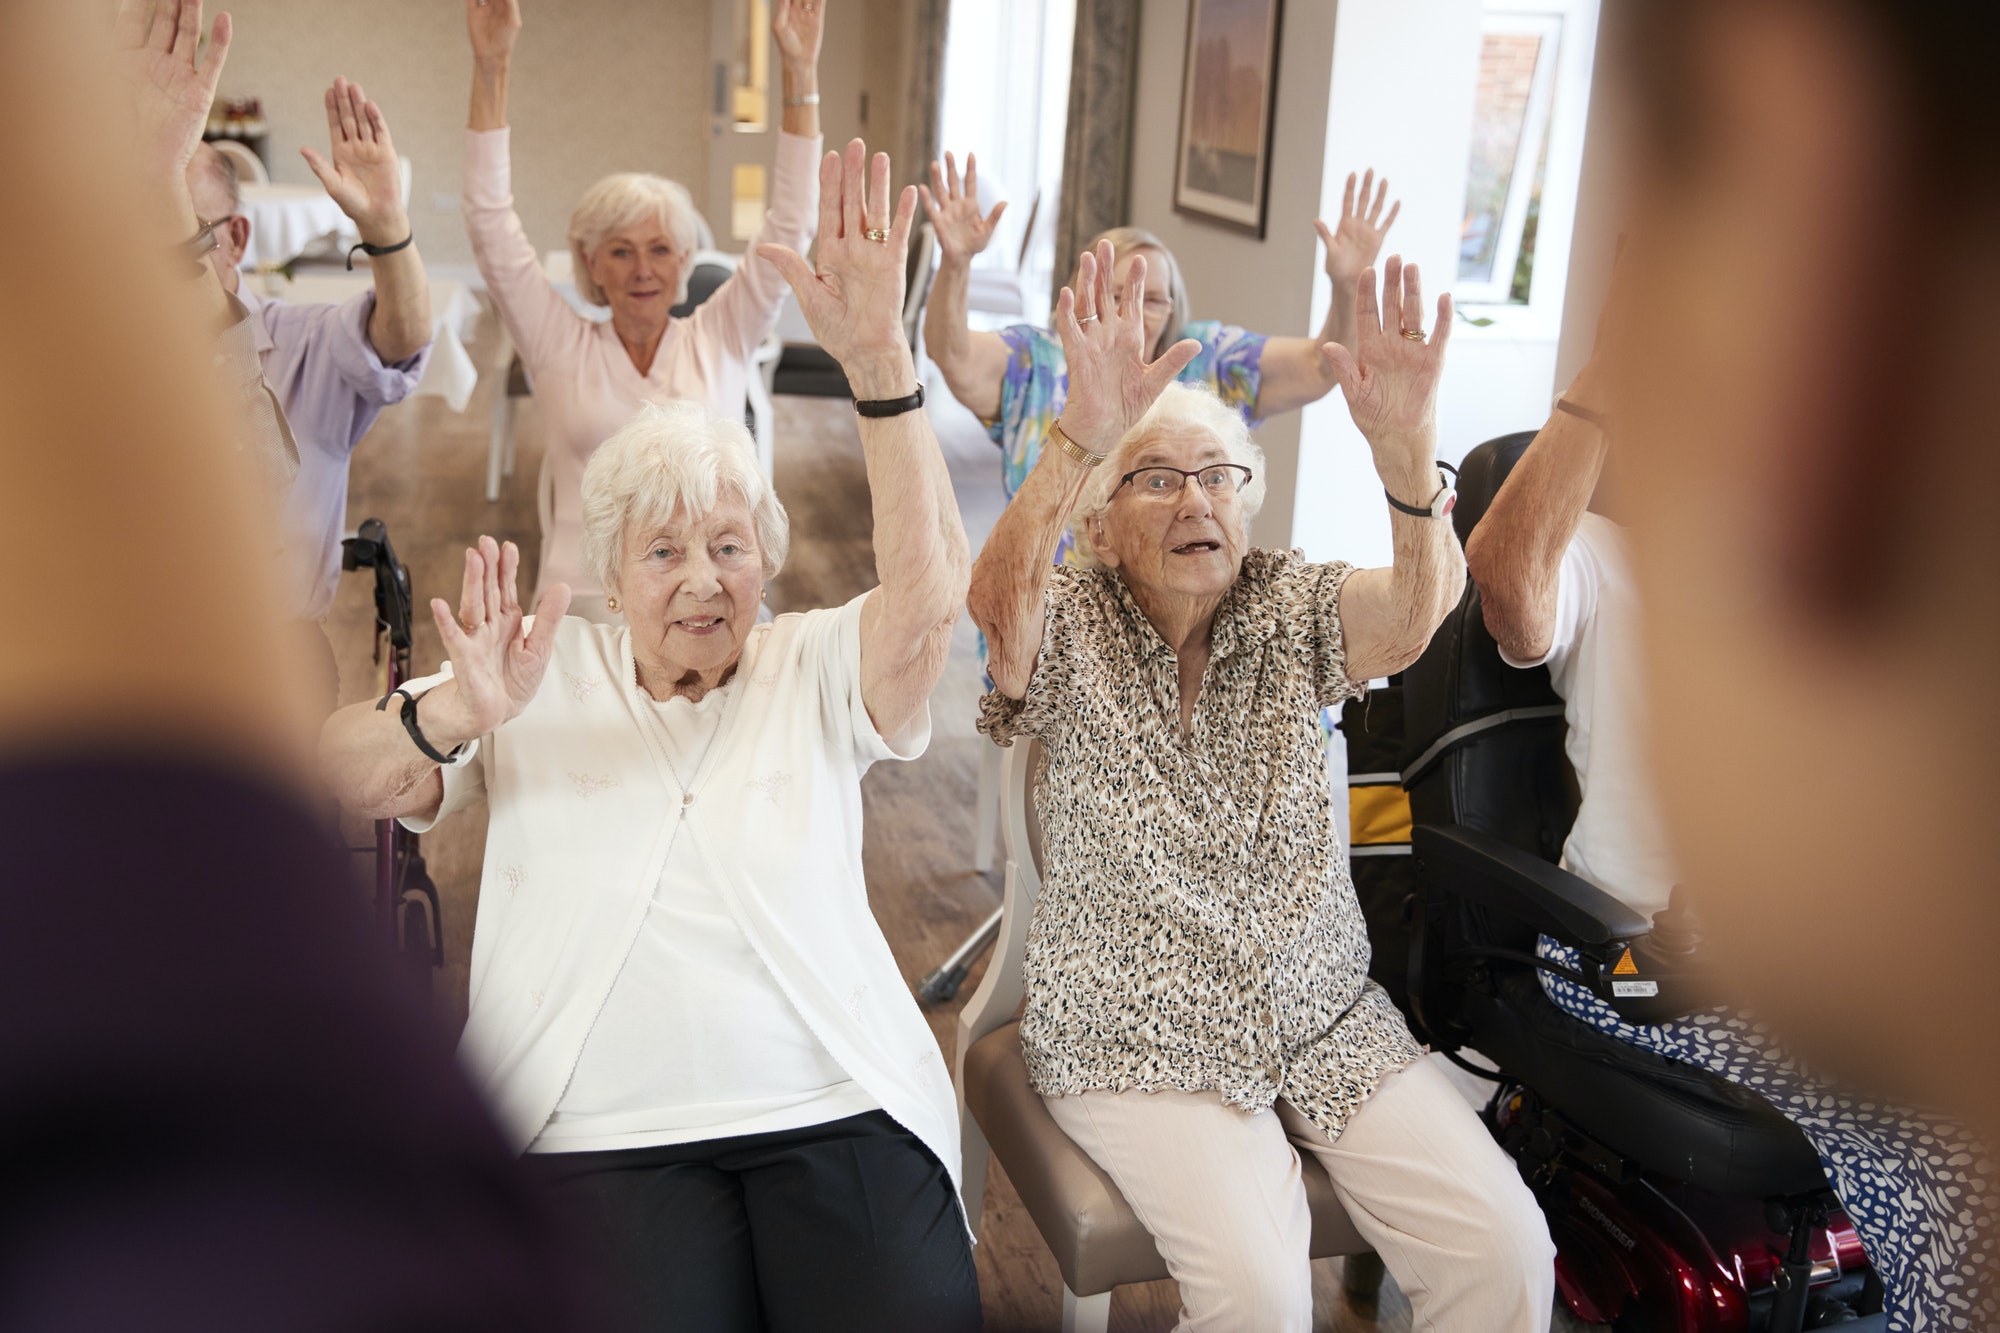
x=1501, y=877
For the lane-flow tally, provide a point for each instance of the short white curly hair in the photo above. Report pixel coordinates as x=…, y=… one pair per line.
x=626, y=199
x=674, y=454
x=1183, y=409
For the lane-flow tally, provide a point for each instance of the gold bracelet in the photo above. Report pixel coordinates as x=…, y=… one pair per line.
x=1072, y=448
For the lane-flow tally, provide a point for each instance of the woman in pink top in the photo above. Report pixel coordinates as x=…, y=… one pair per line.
x=633, y=238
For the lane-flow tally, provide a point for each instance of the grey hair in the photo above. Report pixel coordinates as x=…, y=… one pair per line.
x=674, y=454
x=627, y=198
x=1183, y=409
x=1124, y=240
x=222, y=173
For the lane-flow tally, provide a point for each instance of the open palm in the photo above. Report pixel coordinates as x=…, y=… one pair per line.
x=798, y=26
x=493, y=26
x=1391, y=379
x=496, y=669
x=170, y=89
x=1352, y=246
x=363, y=175
x=1111, y=384
x=953, y=208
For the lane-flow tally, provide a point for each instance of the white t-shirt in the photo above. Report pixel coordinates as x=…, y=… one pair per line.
x=696, y=1040
x=1618, y=842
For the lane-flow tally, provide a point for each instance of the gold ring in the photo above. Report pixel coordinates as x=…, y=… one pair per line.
x=877, y=234
x=1414, y=335
x=1086, y=319
x=468, y=626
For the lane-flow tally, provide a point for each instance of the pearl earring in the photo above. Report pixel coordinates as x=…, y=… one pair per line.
x=611, y=603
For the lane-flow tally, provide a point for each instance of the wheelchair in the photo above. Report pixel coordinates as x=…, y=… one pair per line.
x=405, y=899
x=1678, y=1202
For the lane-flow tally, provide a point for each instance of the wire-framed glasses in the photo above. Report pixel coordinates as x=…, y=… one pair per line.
x=1166, y=483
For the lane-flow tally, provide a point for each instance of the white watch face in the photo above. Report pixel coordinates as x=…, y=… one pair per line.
x=1446, y=501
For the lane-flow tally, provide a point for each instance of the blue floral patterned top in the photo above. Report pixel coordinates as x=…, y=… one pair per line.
x=1037, y=384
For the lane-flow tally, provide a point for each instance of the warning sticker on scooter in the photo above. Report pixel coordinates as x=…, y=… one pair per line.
x=1635, y=990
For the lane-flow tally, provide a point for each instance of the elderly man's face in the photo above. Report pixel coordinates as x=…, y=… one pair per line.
x=1188, y=543
x=689, y=588
x=639, y=271
x=211, y=201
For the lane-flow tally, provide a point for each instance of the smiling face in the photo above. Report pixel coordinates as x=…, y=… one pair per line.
x=1185, y=543
x=689, y=588
x=639, y=271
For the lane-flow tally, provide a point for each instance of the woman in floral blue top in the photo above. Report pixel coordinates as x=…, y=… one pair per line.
x=1016, y=380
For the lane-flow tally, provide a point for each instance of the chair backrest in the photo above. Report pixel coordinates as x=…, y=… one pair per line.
x=249, y=167
x=1001, y=989
x=711, y=269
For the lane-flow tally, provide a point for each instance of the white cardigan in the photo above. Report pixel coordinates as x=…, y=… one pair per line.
x=583, y=804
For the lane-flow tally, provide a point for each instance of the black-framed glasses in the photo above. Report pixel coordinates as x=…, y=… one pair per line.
x=1166, y=483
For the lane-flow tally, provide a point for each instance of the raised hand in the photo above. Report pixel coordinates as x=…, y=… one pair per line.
x=1352, y=247
x=495, y=668
x=798, y=25
x=171, y=89
x=854, y=300
x=364, y=176
x=493, y=26
x=1111, y=384
x=953, y=209
x=1391, y=378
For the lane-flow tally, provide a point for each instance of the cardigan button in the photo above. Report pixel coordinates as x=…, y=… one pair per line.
x=687, y=798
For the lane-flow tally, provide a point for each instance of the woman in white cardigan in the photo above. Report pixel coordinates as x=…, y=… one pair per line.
x=681, y=1006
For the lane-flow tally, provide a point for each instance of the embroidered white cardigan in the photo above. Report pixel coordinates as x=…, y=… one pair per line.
x=583, y=805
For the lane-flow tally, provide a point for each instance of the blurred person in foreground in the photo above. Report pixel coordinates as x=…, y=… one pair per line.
x=334, y=367
x=1812, y=466
x=681, y=1003
x=1555, y=585
x=221, y=1108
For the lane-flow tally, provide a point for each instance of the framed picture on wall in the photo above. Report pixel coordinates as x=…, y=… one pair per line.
x=1228, y=93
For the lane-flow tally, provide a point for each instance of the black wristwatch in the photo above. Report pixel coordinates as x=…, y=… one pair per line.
x=889, y=407
x=1441, y=504
x=409, y=712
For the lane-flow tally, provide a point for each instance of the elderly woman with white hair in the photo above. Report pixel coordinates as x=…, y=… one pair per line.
x=680, y=1006
x=632, y=239
x=1199, y=1012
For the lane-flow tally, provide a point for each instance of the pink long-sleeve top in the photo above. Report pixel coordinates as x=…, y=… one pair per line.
x=585, y=382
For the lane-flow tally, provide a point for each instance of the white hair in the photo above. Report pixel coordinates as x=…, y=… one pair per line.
x=670, y=455
x=1183, y=409
x=627, y=199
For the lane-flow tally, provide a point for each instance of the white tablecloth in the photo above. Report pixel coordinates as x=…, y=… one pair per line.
x=454, y=315
x=285, y=219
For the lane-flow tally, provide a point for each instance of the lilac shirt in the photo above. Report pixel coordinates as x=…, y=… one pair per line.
x=318, y=361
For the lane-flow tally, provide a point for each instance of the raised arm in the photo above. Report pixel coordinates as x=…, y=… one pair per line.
x=854, y=303
x=1110, y=387
x=365, y=178
x=1292, y=370
x=746, y=307
x=1516, y=552
x=368, y=758
x=1387, y=616
x=535, y=313
x=974, y=364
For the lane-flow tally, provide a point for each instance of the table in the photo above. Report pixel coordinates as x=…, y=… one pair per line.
x=455, y=312
x=285, y=219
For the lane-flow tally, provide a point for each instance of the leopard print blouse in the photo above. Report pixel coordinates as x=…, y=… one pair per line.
x=1197, y=929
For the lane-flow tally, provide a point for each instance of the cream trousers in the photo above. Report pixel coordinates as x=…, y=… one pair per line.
x=1221, y=1192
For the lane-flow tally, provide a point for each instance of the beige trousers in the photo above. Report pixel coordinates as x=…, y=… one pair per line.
x=1221, y=1192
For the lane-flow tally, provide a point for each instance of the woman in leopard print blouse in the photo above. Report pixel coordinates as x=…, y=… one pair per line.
x=1198, y=1002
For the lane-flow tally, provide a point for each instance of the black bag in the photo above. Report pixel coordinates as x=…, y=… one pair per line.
x=1379, y=833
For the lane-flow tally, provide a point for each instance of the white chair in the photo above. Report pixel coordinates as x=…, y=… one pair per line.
x=1098, y=1242
x=249, y=167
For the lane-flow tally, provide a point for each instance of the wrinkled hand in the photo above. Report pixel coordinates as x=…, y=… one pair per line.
x=961, y=231
x=1391, y=381
x=1111, y=384
x=495, y=668
x=1353, y=247
x=170, y=89
x=364, y=176
x=493, y=26
x=854, y=300
x=798, y=25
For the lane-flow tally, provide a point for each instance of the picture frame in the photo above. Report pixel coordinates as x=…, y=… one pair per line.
x=1229, y=87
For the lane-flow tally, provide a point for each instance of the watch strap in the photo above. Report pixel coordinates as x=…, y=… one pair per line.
x=409, y=715
x=1425, y=511
x=890, y=407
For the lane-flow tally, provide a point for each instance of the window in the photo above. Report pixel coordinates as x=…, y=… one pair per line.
x=1512, y=122
x=750, y=70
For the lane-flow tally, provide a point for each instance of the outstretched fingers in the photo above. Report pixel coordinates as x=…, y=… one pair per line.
x=186, y=33
x=1413, y=299
x=829, y=199
x=853, y=190
x=906, y=213
x=1168, y=368
x=1340, y=364
x=791, y=266
x=1133, y=307
x=1441, y=331
x=510, y=570
x=549, y=611
x=489, y=583
x=876, y=206
x=1347, y=198
x=1104, y=296
x=1367, y=308
x=471, y=597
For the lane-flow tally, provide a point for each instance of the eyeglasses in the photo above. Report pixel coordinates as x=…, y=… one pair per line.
x=1166, y=483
